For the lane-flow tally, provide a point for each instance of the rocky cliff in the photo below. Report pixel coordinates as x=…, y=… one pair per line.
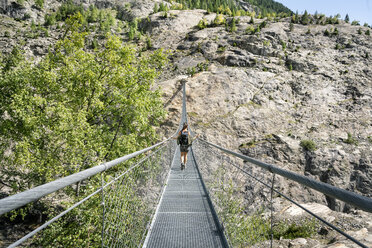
x=264, y=93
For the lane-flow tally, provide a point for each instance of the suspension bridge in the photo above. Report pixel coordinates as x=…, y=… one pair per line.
x=153, y=203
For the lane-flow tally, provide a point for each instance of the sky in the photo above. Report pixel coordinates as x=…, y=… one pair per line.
x=359, y=10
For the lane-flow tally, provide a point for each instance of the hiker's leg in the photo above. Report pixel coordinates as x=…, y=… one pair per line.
x=185, y=158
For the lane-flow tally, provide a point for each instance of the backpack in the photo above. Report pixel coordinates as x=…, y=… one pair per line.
x=183, y=139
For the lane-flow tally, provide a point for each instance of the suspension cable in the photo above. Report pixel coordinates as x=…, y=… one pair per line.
x=359, y=201
x=300, y=206
x=15, y=201
x=23, y=239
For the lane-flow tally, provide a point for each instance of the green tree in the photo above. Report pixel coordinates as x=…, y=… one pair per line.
x=308, y=145
x=74, y=110
x=219, y=20
x=251, y=21
x=39, y=3
x=203, y=23
x=347, y=18
x=156, y=8
x=305, y=18
x=233, y=27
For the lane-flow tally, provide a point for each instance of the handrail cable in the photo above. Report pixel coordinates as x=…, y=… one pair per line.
x=29, y=235
x=18, y=200
x=359, y=201
x=300, y=206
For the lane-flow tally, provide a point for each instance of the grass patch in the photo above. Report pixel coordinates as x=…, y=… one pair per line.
x=350, y=140
x=192, y=114
x=291, y=230
x=249, y=144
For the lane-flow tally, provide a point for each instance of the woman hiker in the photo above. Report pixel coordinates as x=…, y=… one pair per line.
x=184, y=142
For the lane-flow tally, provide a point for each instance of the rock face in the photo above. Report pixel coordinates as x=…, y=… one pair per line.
x=264, y=93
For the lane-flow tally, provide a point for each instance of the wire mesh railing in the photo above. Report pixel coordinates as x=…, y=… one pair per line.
x=112, y=210
x=255, y=212
x=131, y=203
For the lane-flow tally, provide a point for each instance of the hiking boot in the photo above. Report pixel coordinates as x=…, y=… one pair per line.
x=182, y=166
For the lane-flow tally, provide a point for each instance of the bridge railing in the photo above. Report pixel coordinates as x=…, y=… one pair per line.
x=124, y=202
x=253, y=206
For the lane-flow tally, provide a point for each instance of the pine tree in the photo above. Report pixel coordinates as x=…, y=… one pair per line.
x=233, y=25
x=305, y=18
x=156, y=8
x=252, y=20
x=296, y=17
x=347, y=19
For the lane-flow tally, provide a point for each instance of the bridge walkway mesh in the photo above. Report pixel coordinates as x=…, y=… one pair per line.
x=184, y=217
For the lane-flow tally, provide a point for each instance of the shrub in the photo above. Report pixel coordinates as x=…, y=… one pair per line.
x=335, y=32
x=39, y=3
x=350, y=140
x=367, y=32
x=263, y=24
x=219, y=20
x=13, y=59
x=148, y=42
x=355, y=23
x=250, y=30
x=68, y=9
x=203, y=23
x=26, y=16
x=232, y=26
x=257, y=30
x=308, y=145
x=286, y=230
x=249, y=144
x=163, y=7
x=284, y=45
x=156, y=8
x=49, y=20
x=94, y=44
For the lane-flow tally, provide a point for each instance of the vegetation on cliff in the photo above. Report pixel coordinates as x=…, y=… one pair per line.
x=75, y=109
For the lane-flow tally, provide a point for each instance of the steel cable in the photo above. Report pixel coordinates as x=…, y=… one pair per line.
x=272, y=189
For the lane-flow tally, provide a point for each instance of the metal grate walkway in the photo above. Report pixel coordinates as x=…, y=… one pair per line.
x=184, y=217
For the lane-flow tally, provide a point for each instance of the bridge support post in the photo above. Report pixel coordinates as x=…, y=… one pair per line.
x=103, y=209
x=271, y=209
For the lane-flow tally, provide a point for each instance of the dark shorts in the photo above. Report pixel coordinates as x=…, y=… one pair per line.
x=184, y=148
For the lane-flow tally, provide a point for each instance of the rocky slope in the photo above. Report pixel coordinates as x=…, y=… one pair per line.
x=260, y=93
x=263, y=94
